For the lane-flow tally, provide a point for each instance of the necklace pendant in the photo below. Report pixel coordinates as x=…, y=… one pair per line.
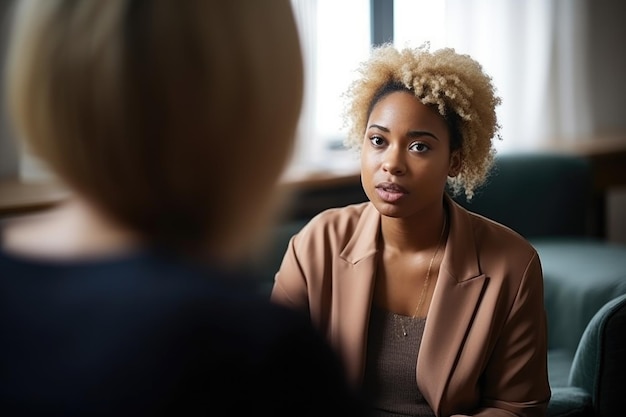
x=404, y=333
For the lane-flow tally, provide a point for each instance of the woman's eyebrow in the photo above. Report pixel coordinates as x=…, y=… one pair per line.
x=379, y=127
x=411, y=134
x=420, y=133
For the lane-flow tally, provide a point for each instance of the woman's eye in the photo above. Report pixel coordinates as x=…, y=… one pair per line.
x=419, y=147
x=377, y=140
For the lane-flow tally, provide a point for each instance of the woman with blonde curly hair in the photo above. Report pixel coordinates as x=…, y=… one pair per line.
x=435, y=311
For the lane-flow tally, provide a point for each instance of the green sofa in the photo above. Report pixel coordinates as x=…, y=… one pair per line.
x=549, y=199
x=597, y=377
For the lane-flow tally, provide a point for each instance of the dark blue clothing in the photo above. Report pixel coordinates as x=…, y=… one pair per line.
x=149, y=335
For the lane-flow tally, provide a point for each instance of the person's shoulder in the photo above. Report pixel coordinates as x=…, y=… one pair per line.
x=173, y=321
x=242, y=339
x=338, y=214
x=502, y=253
x=339, y=219
x=334, y=227
x=498, y=236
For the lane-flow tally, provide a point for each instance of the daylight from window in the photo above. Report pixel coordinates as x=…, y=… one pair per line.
x=336, y=37
x=418, y=21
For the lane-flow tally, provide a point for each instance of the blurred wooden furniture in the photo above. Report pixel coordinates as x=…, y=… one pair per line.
x=19, y=197
x=607, y=154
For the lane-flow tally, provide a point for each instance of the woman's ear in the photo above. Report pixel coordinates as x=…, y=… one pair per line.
x=455, y=163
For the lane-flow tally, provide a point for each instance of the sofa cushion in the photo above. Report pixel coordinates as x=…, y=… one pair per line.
x=580, y=276
x=537, y=194
x=559, y=365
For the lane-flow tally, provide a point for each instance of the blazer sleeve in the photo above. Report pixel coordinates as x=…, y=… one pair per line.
x=517, y=368
x=290, y=285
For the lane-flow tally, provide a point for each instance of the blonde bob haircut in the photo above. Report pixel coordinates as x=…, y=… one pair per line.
x=452, y=83
x=175, y=118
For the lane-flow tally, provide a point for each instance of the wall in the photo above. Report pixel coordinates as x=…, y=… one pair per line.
x=608, y=63
x=8, y=153
x=607, y=73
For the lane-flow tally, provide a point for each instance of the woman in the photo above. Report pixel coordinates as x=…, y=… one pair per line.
x=156, y=115
x=434, y=310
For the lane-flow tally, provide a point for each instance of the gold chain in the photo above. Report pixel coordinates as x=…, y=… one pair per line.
x=427, y=281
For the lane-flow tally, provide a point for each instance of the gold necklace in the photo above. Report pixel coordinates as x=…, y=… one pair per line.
x=427, y=280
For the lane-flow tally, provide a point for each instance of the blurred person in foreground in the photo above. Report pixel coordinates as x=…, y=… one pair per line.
x=170, y=122
x=435, y=310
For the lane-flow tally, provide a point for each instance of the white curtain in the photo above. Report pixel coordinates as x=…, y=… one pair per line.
x=305, y=13
x=335, y=39
x=536, y=52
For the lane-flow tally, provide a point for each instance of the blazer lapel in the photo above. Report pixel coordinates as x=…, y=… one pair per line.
x=353, y=290
x=457, y=295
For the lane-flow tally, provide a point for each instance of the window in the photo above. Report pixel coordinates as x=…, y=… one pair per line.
x=535, y=52
x=336, y=37
x=419, y=21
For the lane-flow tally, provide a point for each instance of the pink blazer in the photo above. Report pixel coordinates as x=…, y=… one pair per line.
x=484, y=348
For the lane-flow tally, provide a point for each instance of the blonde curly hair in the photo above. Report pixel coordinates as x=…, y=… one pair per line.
x=453, y=83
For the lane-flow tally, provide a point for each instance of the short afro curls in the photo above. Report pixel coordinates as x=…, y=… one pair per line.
x=455, y=84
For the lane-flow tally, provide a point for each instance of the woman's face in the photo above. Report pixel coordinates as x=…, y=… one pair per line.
x=405, y=157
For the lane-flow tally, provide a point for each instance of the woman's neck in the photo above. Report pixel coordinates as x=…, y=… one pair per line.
x=417, y=233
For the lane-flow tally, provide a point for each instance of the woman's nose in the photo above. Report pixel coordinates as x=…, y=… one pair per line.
x=393, y=162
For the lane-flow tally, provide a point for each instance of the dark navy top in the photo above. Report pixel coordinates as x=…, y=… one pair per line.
x=146, y=334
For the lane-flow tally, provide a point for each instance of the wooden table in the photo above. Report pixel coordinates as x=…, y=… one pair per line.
x=23, y=197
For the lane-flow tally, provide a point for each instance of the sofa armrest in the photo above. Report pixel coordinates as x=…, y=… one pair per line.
x=570, y=402
x=599, y=366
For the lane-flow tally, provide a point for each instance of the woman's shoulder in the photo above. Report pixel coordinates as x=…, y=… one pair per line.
x=163, y=317
x=496, y=250
x=493, y=236
x=340, y=217
x=339, y=224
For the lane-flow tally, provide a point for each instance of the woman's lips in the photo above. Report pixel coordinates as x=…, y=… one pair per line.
x=390, y=192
